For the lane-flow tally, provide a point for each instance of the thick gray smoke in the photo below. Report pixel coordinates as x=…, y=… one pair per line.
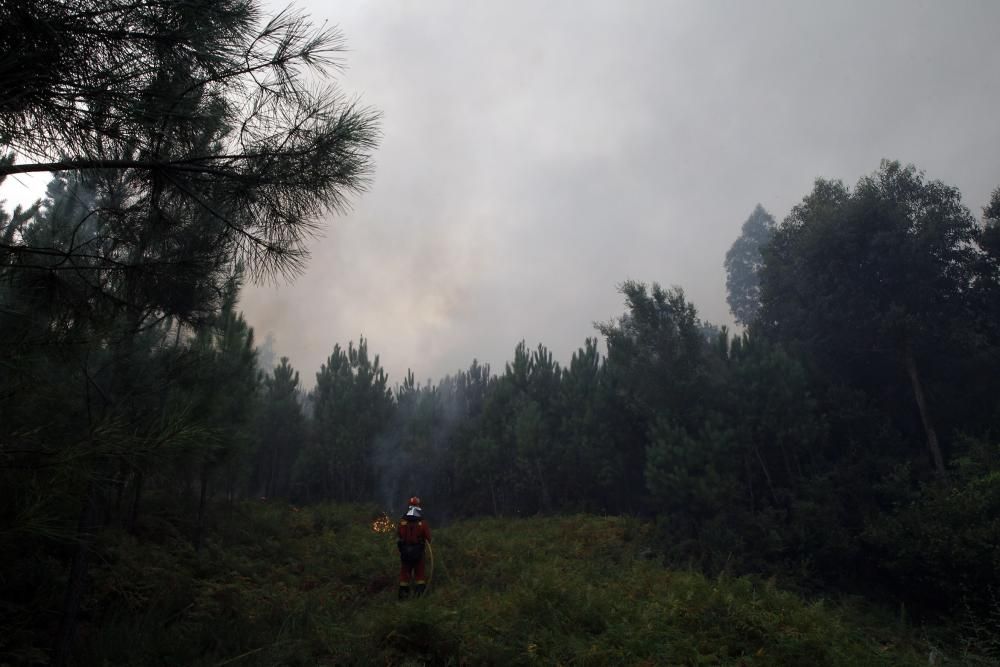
x=538, y=154
x=412, y=457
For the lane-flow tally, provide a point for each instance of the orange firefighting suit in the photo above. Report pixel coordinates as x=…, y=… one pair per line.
x=413, y=531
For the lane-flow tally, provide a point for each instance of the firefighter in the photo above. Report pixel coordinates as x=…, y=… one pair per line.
x=413, y=534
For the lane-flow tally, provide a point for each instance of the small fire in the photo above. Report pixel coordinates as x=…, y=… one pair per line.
x=383, y=524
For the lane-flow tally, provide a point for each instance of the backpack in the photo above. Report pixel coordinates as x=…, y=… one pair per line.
x=411, y=552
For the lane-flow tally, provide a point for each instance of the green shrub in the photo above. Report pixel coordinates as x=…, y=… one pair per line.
x=286, y=586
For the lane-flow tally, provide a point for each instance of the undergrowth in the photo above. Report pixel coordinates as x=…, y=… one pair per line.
x=276, y=585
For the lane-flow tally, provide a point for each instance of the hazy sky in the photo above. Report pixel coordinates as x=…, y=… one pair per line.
x=537, y=154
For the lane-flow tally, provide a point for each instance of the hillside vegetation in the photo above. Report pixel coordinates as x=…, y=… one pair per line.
x=281, y=585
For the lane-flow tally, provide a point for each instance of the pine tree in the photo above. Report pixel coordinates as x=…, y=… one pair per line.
x=353, y=404
x=281, y=430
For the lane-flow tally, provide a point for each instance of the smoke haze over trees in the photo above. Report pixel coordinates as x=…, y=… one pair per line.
x=535, y=195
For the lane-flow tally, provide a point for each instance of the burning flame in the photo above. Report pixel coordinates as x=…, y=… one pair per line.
x=383, y=524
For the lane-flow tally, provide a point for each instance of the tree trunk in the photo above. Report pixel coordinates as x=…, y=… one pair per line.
x=767, y=475
x=133, y=516
x=918, y=394
x=201, y=509
x=546, y=499
x=493, y=495
x=77, y=580
x=121, y=482
x=788, y=465
x=272, y=475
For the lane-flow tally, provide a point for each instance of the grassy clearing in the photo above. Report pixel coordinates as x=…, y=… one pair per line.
x=318, y=586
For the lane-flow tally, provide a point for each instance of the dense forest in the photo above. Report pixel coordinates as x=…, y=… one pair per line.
x=843, y=440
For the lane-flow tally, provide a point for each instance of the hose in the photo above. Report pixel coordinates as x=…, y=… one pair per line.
x=430, y=564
